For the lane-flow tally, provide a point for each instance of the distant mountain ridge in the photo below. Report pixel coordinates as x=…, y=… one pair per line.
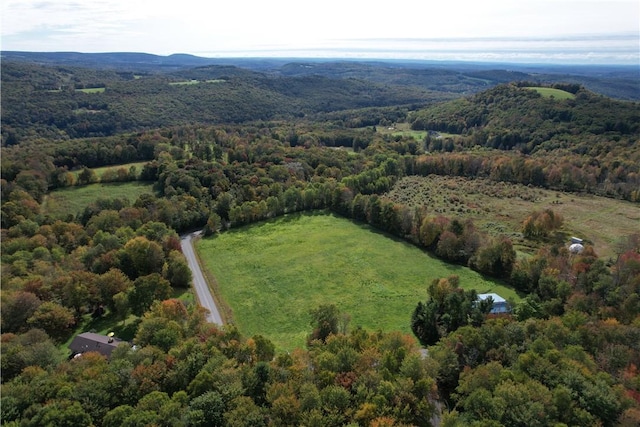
x=49, y=95
x=616, y=81
x=108, y=60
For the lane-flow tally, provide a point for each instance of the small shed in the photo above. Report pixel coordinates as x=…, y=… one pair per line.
x=576, y=240
x=89, y=341
x=500, y=305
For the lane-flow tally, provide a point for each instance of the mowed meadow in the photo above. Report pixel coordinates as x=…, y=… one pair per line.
x=73, y=200
x=271, y=274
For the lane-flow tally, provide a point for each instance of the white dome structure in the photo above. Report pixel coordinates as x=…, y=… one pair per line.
x=576, y=248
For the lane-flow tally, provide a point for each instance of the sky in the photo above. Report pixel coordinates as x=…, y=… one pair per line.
x=561, y=31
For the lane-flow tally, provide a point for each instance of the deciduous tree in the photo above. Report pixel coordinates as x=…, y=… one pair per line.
x=54, y=319
x=141, y=257
x=146, y=290
x=324, y=320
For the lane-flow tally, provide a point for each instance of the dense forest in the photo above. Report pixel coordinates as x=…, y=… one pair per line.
x=228, y=146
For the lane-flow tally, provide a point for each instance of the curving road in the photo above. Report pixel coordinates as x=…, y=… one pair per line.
x=199, y=283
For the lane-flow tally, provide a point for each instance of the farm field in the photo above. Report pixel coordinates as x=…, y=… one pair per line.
x=72, y=200
x=272, y=274
x=101, y=170
x=500, y=208
x=195, y=82
x=91, y=90
x=402, y=129
x=186, y=82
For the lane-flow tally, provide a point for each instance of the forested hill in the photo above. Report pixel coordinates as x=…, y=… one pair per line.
x=60, y=102
x=113, y=60
x=72, y=95
x=532, y=119
x=616, y=81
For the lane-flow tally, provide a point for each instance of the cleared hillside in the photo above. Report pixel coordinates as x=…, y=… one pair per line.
x=500, y=209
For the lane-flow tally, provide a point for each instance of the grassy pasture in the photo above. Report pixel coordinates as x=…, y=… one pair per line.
x=91, y=90
x=273, y=273
x=195, y=82
x=500, y=208
x=72, y=200
x=402, y=129
x=186, y=82
x=549, y=92
x=418, y=135
x=101, y=170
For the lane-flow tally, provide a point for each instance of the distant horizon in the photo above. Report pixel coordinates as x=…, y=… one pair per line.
x=606, y=49
x=610, y=49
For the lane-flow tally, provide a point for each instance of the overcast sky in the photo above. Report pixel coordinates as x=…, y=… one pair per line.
x=601, y=31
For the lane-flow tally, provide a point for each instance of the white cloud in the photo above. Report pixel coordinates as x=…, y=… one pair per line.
x=193, y=26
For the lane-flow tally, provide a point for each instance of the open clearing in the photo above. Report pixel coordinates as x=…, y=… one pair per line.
x=72, y=200
x=91, y=90
x=186, y=82
x=500, y=208
x=195, y=82
x=549, y=92
x=271, y=274
x=101, y=170
x=402, y=129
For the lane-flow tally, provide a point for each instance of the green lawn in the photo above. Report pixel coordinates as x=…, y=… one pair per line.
x=195, y=82
x=549, y=92
x=72, y=200
x=402, y=129
x=99, y=171
x=91, y=90
x=186, y=82
x=418, y=135
x=272, y=274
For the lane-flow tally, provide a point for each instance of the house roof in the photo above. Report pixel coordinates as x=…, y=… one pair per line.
x=495, y=297
x=88, y=341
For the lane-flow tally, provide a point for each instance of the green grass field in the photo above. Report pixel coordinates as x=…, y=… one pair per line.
x=273, y=273
x=91, y=90
x=186, y=82
x=402, y=129
x=549, y=92
x=99, y=171
x=72, y=200
x=195, y=82
x=418, y=135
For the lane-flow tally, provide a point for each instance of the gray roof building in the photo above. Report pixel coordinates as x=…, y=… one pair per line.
x=88, y=341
